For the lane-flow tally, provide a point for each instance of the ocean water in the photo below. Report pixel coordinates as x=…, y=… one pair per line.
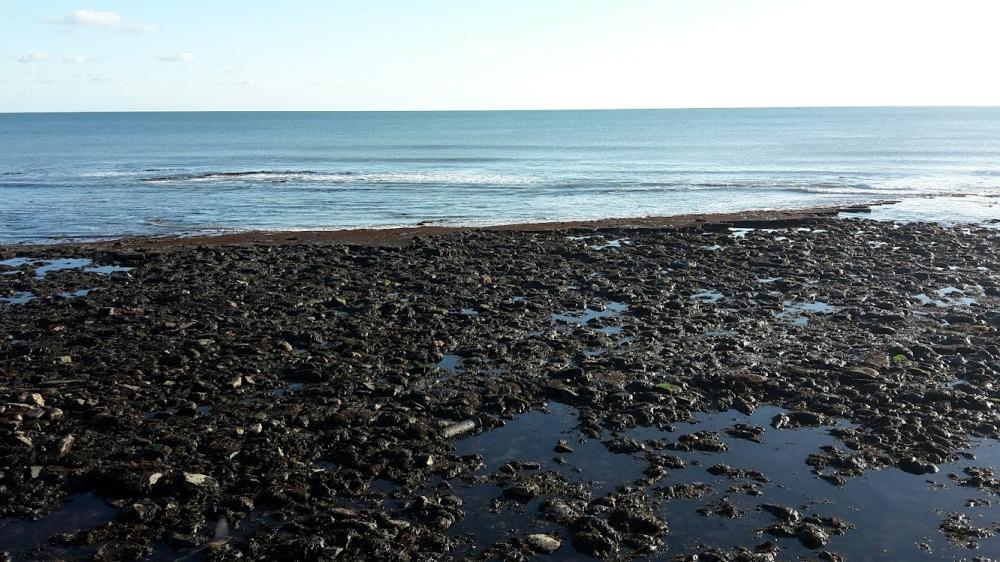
x=104, y=175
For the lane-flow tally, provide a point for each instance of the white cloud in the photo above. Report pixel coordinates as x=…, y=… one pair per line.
x=91, y=77
x=239, y=82
x=33, y=57
x=45, y=57
x=106, y=20
x=179, y=57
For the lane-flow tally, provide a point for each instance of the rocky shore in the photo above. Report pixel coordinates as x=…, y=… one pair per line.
x=730, y=391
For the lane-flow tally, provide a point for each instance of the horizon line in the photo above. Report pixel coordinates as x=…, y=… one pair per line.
x=686, y=108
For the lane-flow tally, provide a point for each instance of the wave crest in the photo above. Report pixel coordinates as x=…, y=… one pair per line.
x=309, y=176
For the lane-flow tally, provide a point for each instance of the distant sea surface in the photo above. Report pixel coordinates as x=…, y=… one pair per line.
x=93, y=175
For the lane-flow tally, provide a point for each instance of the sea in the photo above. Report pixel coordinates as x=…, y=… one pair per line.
x=85, y=176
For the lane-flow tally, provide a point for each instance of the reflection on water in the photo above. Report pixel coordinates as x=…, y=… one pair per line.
x=82, y=511
x=873, y=503
x=983, y=210
x=46, y=266
x=799, y=312
x=589, y=314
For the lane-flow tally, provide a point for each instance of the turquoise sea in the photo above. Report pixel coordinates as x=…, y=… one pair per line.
x=94, y=175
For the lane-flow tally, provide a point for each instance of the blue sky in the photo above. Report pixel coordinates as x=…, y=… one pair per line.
x=59, y=55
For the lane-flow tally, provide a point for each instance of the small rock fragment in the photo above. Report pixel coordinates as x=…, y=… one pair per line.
x=543, y=544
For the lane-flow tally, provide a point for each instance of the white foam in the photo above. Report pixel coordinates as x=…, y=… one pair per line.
x=436, y=177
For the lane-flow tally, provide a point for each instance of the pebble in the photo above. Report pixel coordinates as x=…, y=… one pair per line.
x=543, y=544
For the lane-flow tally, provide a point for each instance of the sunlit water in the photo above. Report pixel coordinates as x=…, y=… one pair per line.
x=96, y=175
x=871, y=503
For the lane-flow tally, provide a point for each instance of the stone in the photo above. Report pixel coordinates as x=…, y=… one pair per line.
x=521, y=492
x=593, y=544
x=782, y=512
x=812, y=536
x=914, y=465
x=543, y=544
x=66, y=443
x=559, y=511
x=563, y=447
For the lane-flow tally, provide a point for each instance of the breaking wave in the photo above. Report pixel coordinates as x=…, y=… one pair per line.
x=308, y=176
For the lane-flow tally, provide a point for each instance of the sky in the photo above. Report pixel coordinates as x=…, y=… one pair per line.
x=161, y=55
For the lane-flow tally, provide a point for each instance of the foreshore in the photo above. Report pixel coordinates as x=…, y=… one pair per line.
x=755, y=386
x=399, y=235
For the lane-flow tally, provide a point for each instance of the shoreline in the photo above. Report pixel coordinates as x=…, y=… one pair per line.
x=400, y=234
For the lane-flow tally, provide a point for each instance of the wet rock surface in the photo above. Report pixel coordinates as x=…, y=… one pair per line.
x=617, y=393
